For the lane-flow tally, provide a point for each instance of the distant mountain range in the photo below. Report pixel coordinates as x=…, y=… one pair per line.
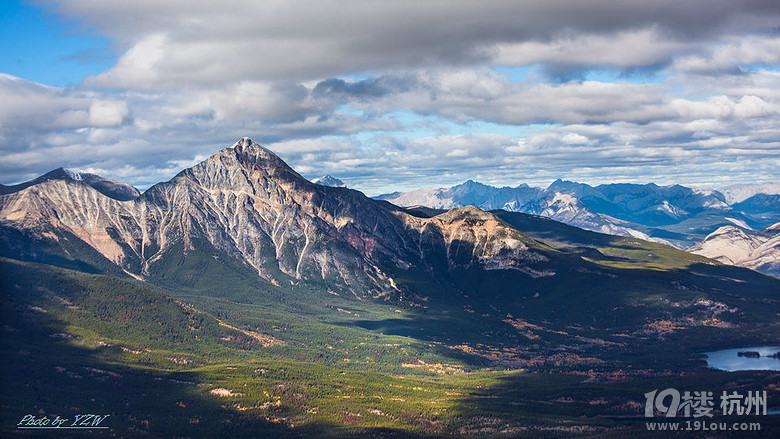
x=740, y=192
x=674, y=215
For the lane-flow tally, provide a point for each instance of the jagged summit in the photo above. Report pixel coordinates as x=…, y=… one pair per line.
x=239, y=167
x=247, y=149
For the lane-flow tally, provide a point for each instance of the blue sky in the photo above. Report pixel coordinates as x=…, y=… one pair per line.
x=44, y=47
x=505, y=92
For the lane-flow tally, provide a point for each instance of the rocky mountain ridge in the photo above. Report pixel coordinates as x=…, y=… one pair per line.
x=247, y=203
x=759, y=251
x=110, y=188
x=558, y=206
x=674, y=215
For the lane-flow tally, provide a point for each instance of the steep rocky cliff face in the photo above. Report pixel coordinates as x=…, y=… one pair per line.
x=246, y=203
x=467, y=237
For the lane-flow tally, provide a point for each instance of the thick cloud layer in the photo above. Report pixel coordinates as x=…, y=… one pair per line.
x=206, y=42
x=395, y=94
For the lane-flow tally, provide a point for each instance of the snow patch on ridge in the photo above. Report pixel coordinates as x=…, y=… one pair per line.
x=76, y=175
x=739, y=223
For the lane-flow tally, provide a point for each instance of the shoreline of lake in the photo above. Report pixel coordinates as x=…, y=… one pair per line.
x=729, y=360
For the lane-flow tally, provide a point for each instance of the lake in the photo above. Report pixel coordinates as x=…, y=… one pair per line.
x=729, y=361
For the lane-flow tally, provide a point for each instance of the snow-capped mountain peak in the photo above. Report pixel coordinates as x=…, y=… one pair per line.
x=740, y=192
x=76, y=175
x=328, y=180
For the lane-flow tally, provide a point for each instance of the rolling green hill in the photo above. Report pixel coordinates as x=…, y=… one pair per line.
x=74, y=343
